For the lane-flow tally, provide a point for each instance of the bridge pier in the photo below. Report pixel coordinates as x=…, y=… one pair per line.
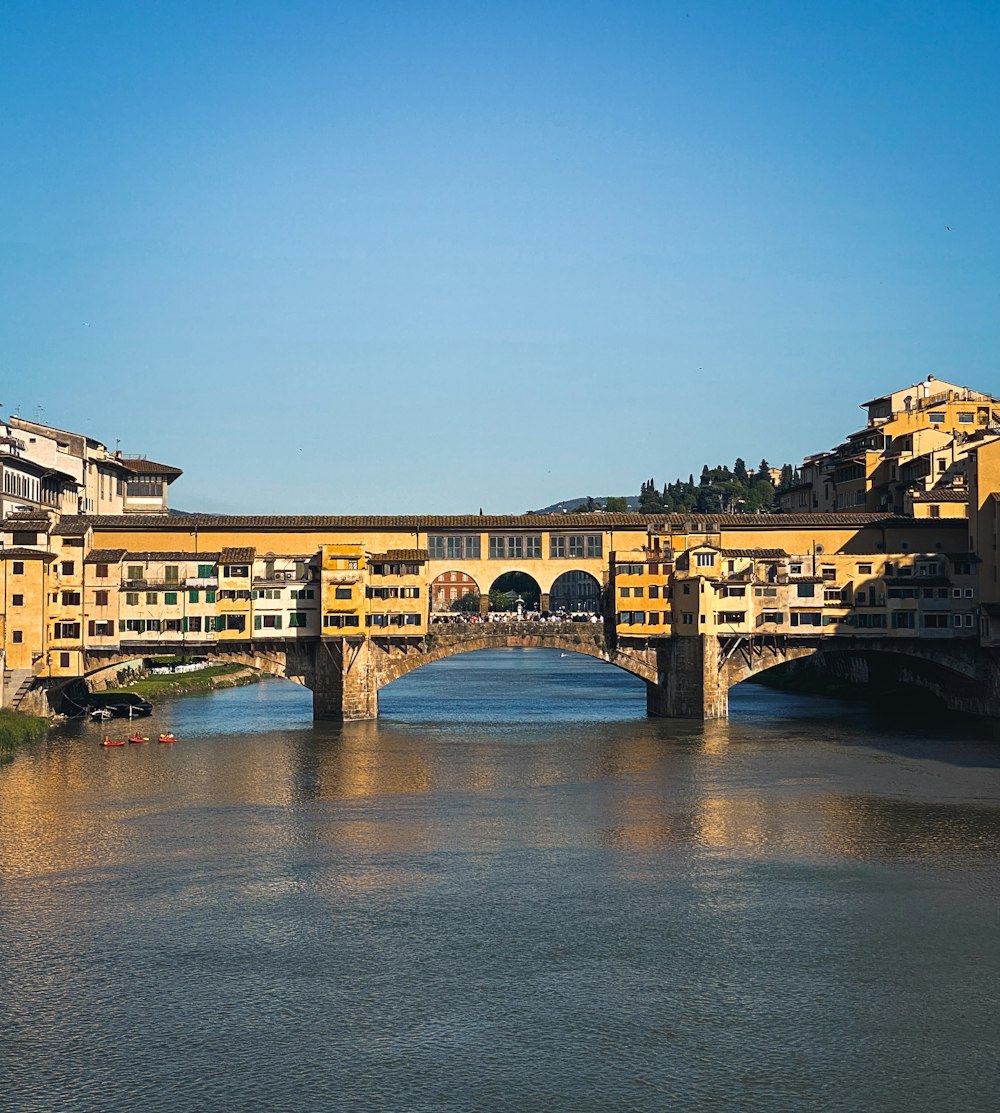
x=690, y=684
x=344, y=686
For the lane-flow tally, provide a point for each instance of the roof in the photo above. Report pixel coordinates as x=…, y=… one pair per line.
x=201, y=558
x=400, y=554
x=27, y=521
x=944, y=494
x=104, y=556
x=242, y=554
x=593, y=523
x=968, y=558
x=809, y=580
x=71, y=525
x=25, y=554
x=757, y=554
x=139, y=465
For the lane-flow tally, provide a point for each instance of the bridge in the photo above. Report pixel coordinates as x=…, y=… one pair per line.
x=684, y=678
x=689, y=605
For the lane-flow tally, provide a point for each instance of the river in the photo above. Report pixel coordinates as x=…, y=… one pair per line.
x=512, y=892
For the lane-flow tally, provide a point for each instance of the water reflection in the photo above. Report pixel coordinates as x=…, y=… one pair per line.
x=396, y=910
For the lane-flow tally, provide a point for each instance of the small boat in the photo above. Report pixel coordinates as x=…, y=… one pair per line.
x=169, y=736
x=135, y=739
x=100, y=712
x=106, y=741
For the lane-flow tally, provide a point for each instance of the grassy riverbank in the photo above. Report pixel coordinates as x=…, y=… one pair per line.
x=190, y=683
x=16, y=730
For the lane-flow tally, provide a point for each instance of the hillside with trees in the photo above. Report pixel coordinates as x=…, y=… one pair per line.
x=719, y=490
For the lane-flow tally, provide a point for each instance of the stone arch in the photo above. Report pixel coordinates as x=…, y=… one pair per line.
x=575, y=590
x=522, y=584
x=484, y=636
x=449, y=587
x=906, y=662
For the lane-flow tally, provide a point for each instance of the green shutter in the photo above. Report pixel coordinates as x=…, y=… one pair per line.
x=257, y=622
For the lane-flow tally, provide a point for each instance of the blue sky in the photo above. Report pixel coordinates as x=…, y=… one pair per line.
x=415, y=257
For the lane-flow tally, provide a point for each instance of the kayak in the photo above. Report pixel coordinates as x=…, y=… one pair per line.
x=113, y=742
x=168, y=737
x=134, y=739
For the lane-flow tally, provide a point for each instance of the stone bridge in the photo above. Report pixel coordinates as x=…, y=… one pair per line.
x=685, y=676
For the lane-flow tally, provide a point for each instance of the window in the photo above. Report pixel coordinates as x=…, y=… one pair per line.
x=589, y=546
x=135, y=572
x=235, y=622
x=151, y=598
x=236, y=571
x=194, y=624
x=209, y=596
x=301, y=593
x=18, y=568
x=935, y=621
x=731, y=618
x=101, y=571
x=773, y=617
x=170, y=598
x=805, y=591
x=795, y=569
x=342, y=593
x=64, y=660
x=828, y=573
x=192, y=596
x=70, y=598
x=101, y=598
x=967, y=592
x=22, y=537
x=903, y=620
x=935, y=419
x=869, y=621
x=17, y=636
x=965, y=418
x=704, y=560
x=529, y=546
x=101, y=629
x=807, y=618
x=267, y=622
x=17, y=600
x=688, y=619
x=66, y=630
x=205, y=571
x=654, y=591
x=297, y=619
x=66, y=568
x=170, y=573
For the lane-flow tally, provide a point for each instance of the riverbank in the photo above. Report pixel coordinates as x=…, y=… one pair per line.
x=190, y=683
x=17, y=730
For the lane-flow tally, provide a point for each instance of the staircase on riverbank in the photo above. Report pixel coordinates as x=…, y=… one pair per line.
x=16, y=683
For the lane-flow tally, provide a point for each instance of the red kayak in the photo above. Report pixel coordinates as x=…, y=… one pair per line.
x=168, y=737
x=135, y=739
x=112, y=741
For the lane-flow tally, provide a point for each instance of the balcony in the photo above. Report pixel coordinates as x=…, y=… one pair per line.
x=201, y=581
x=351, y=577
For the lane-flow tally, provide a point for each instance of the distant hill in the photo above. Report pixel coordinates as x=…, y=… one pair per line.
x=568, y=506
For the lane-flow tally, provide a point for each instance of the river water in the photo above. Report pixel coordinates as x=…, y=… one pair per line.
x=513, y=892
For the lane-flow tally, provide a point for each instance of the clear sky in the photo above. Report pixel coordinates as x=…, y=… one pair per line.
x=414, y=257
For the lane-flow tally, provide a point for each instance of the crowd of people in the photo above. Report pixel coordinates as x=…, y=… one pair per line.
x=465, y=618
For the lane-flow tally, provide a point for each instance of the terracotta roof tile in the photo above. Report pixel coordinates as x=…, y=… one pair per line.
x=237, y=555
x=195, y=558
x=945, y=494
x=400, y=554
x=104, y=556
x=25, y=554
x=758, y=554
x=139, y=465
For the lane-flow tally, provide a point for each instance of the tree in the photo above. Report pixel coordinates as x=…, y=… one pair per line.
x=616, y=504
x=740, y=469
x=787, y=477
x=764, y=470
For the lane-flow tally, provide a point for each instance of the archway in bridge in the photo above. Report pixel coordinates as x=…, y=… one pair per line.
x=449, y=590
x=576, y=592
x=515, y=591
